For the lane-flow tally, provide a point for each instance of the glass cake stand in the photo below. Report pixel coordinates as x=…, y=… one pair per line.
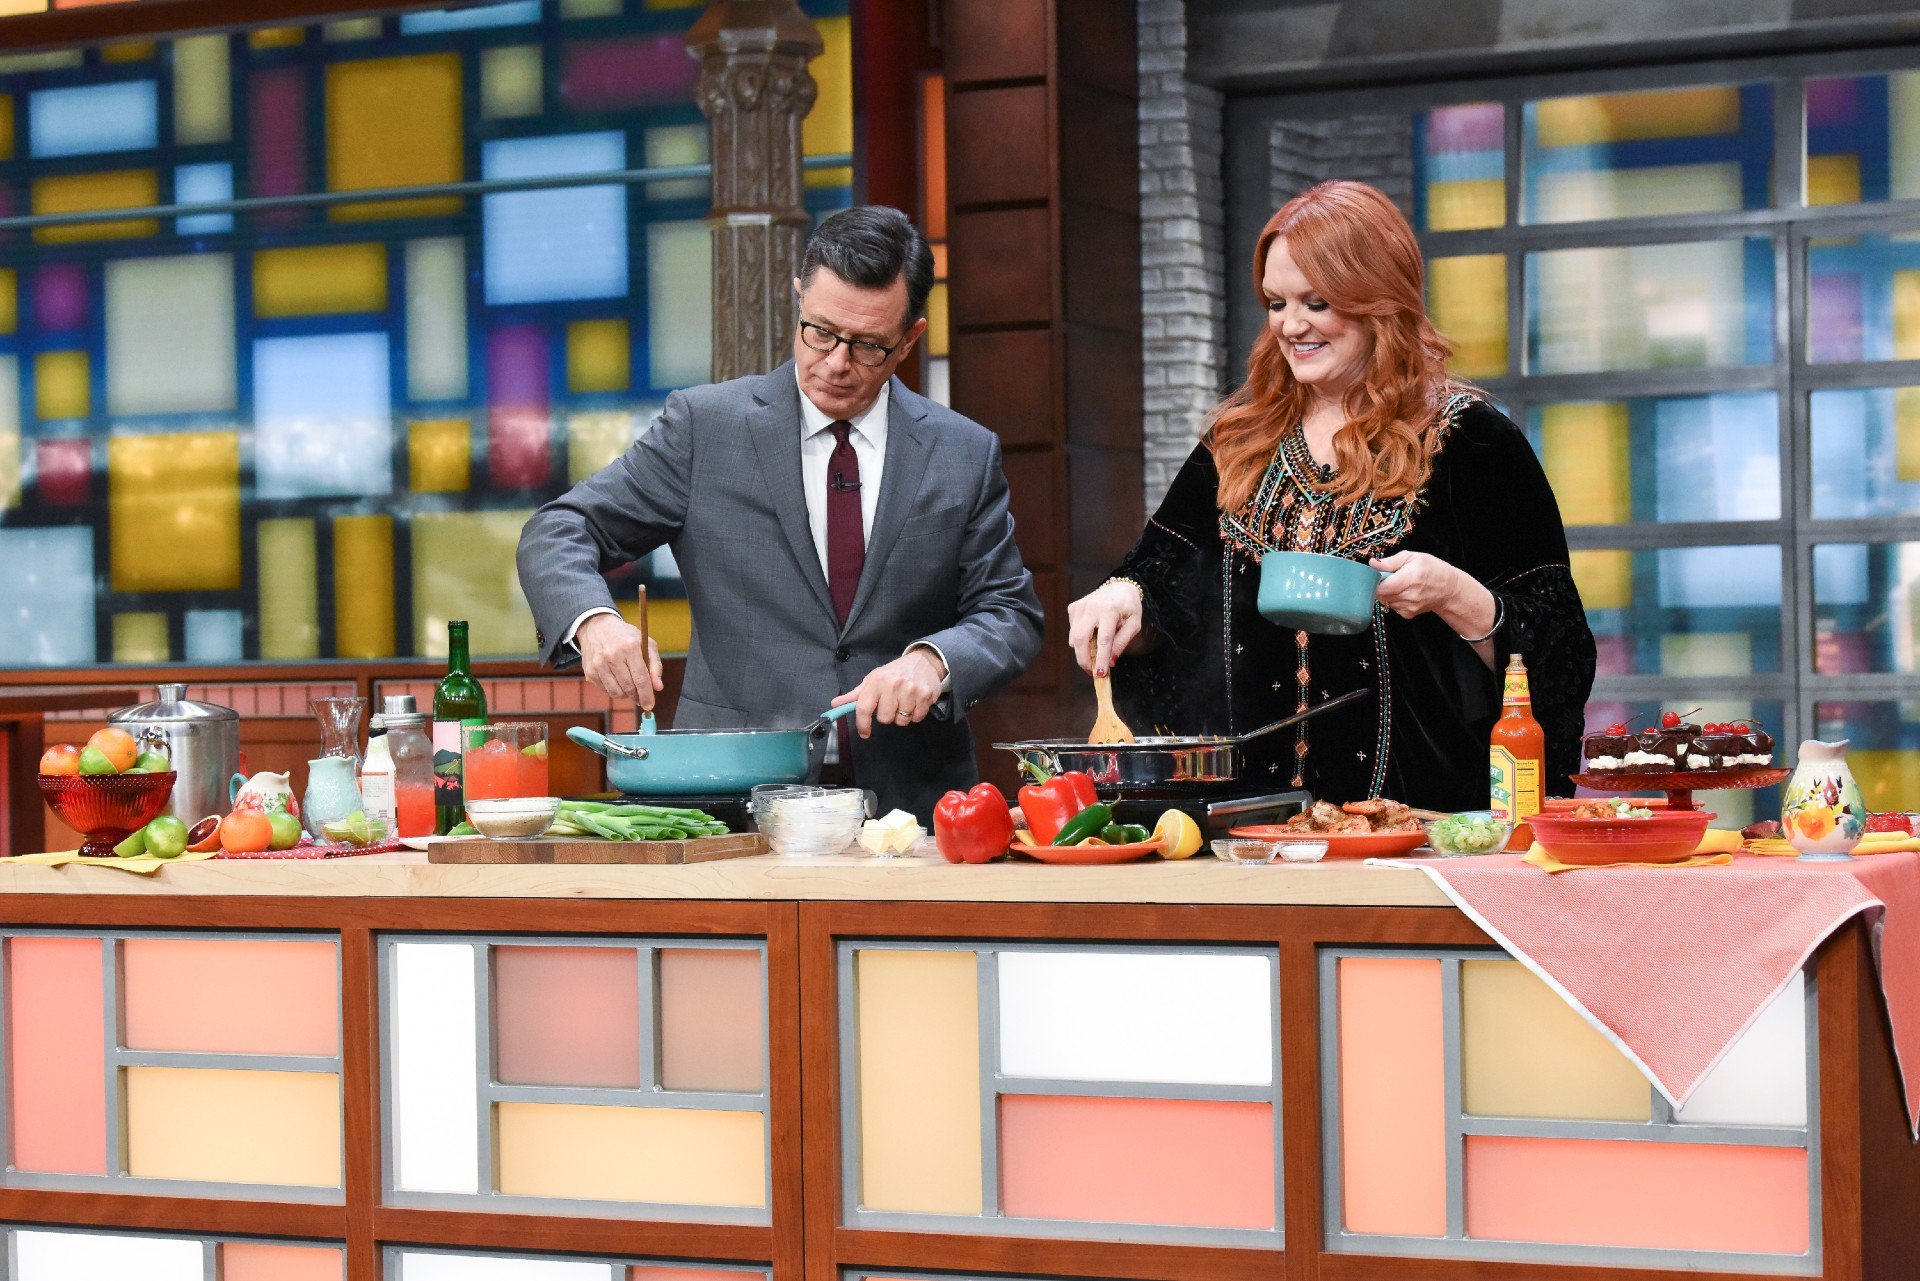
x=1680, y=785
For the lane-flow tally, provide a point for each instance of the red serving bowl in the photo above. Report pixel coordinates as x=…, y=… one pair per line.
x=107, y=807
x=1664, y=837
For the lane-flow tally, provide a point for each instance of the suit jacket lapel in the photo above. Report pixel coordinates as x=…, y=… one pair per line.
x=774, y=425
x=908, y=449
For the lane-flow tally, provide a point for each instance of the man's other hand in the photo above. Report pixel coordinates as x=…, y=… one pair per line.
x=612, y=658
x=900, y=693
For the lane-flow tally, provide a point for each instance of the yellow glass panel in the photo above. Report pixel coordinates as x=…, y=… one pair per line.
x=1833, y=180
x=6, y=126
x=672, y=1156
x=53, y=60
x=598, y=356
x=1605, y=579
x=919, y=1080
x=669, y=622
x=1584, y=450
x=9, y=464
x=1524, y=1052
x=1888, y=777
x=86, y=192
x=1469, y=305
x=1630, y=117
x=1466, y=204
x=363, y=587
x=1637, y=193
x=463, y=567
x=1906, y=314
x=202, y=103
x=365, y=150
x=596, y=439
x=60, y=386
x=1906, y=434
x=828, y=128
x=289, y=589
x=141, y=638
x=276, y=37
x=320, y=280
x=173, y=504
x=353, y=29
x=1706, y=654
x=510, y=81
x=9, y=301
x=220, y=1126
x=937, y=321
x=439, y=455
x=128, y=51
x=12, y=8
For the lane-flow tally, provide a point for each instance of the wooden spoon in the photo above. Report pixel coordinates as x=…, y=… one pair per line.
x=1107, y=726
x=643, y=717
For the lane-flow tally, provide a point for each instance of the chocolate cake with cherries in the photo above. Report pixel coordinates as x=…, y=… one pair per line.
x=1676, y=746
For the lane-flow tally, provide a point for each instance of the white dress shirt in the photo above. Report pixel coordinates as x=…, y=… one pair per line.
x=869, y=440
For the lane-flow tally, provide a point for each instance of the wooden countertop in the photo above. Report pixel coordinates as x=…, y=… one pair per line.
x=406, y=874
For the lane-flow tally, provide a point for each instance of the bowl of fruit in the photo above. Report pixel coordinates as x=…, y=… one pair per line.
x=108, y=789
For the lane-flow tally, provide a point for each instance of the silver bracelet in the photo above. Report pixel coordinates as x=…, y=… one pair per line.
x=1499, y=617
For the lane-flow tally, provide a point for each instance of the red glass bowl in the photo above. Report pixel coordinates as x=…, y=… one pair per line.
x=1664, y=837
x=107, y=807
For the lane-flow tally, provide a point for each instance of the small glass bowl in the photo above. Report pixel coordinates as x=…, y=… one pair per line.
x=1481, y=822
x=512, y=818
x=1303, y=851
x=816, y=821
x=1240, y=850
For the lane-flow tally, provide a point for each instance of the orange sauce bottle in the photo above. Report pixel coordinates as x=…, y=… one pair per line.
x=1517, y=757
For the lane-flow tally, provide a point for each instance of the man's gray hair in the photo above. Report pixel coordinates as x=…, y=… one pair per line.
x=872, y=246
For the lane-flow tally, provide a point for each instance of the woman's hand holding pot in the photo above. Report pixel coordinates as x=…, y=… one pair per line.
x=1101, y=624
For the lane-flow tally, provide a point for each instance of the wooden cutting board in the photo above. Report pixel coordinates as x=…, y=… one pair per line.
x=700, y=849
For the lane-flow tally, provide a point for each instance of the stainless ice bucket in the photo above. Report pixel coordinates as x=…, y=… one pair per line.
x=203, y=741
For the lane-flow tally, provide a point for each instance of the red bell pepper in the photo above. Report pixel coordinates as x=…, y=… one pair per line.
x=973, y=827
x=1049, y=803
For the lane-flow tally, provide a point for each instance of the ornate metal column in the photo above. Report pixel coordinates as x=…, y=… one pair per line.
x=755, y=90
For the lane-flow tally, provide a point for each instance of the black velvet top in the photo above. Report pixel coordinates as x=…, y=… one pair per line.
x=1221, y=668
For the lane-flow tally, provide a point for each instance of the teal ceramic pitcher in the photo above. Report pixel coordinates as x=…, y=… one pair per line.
x=332, y=793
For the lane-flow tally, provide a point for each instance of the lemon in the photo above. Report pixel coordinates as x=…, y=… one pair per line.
x=1178, y=834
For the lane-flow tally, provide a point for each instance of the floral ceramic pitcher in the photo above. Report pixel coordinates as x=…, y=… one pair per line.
x=1823, y=812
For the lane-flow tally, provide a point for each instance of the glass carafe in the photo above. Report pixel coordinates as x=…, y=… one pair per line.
x=340, y=726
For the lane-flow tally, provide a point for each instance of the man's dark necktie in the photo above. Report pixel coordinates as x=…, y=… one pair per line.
x=846, y=547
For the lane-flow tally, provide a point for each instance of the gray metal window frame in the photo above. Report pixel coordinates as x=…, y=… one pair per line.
x=992, y=1219
x=117, y=1059
x=1660, y=1128
x=489, y=1090
x=1788, y=222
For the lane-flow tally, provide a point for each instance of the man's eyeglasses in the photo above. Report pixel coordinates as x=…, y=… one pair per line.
x=825, y=340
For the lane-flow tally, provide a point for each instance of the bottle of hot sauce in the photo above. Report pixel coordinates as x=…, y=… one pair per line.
x=1517, y=755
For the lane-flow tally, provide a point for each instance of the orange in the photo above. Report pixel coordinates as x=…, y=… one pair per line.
x=116, y=745
x=245, y=832
x=204, y=836
x=61, y=758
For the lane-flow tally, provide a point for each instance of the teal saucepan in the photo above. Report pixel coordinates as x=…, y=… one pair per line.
x=691, y=762
x=1308, y=592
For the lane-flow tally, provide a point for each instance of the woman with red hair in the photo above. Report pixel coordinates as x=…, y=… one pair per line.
x=1347, y=438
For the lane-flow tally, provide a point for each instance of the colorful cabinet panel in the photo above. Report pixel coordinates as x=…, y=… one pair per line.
x=1047, y=1090
x=120, y=1074
x=448, y=1265
x=1470, y=1113
x=611, y=1075
x=67, y=1254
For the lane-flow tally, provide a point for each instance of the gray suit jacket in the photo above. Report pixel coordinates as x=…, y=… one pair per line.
x=717, y=477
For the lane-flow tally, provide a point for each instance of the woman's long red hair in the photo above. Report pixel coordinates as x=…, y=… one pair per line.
x=1361, y=258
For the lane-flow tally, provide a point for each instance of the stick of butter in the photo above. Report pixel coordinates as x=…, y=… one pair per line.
x=892, y=833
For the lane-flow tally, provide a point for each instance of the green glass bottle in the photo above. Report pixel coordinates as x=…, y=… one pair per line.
x=458, y=698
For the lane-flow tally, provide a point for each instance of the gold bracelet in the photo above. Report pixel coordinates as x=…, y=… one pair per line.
x=1129, y=582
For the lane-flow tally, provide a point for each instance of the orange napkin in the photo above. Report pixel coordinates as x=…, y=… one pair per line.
x=1548, y=863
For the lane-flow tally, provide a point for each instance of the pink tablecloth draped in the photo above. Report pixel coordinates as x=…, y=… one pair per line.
x=1673, y=964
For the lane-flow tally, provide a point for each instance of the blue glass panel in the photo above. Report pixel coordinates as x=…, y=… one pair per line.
x=1699, y=578
x=203, y=184
x=1715, y=458
x=46, y=582
x=123, y=116
x=514, y=14
x=322, y=409
x=1866, y=452
x=1866, y=607
x=550, y=246
x=214, y=636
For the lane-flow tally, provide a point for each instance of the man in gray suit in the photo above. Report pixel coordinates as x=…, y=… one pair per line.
x=842, y=539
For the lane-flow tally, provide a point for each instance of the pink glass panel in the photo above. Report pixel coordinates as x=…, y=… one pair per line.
x=60, y=296
x=242, y=996
x=519, y=396
x=1192, y=1162
x=63, y=471
x=711, y=1022
x=278, y=153
x=255, y=1261
x=1477, y=126
x=56, y=1051
x=1669, y=1196
x=567, y=1015
x=1393, y=1129
x=639, y=71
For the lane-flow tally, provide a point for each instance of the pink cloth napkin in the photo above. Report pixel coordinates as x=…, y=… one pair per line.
x=1673, y=964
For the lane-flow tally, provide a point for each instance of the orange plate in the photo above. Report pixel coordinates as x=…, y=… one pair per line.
x=1089, y=853
x=1344, y=844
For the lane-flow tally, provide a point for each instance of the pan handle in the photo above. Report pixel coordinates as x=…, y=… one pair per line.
x=1297, y=717
x=601, y=745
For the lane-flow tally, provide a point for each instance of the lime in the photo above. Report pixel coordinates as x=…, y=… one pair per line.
x=134, y=846
x=286, y=830
x=538, y=749
x=152, y=763
x=166, y=837
x=359, y=831
x=94, y=761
